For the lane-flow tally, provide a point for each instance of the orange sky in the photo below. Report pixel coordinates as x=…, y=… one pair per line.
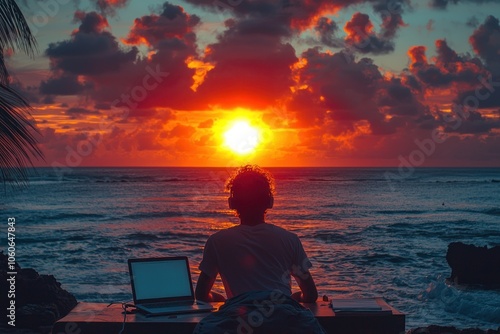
x=132, y=85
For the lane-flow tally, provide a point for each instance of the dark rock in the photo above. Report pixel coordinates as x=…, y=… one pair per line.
x=39, y=299
x=474, y=265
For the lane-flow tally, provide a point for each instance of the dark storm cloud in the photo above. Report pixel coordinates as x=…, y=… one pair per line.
x=172, y=42
x=361, y=37
x=443, y=4
x=64, y=85
x=172, y=22
x=348, y=91
x=474, y=123
x=91, y=50
x=109, y=7
x=472, y=22
x=78, y=112
x=30, y=93
x=327, y=29
x=252, y=67
x=118, y=76
x=474, y=83
x=299, y=13
x=449, y=69
x=486, y=43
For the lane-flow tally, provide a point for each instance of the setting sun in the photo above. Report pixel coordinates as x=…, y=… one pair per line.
x=241, y=137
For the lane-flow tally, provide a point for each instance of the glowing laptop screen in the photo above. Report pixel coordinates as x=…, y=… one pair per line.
x=161, y=279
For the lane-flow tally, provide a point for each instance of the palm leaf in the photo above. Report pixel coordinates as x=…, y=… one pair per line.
x=17, y=132
x=14, y=33
x=17, y=136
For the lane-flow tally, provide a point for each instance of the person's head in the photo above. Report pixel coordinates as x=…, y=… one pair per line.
x=251, y=191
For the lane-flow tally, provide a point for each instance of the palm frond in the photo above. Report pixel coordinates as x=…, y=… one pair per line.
x=17, y=137
x=14, y=30
x=18, y=144
x=4, y=74
x=14, y=33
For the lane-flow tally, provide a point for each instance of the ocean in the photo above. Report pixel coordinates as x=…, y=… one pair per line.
x=367, y=231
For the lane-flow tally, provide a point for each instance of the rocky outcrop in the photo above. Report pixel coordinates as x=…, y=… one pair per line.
x=433, y=329
x=474, y=265
x=39, y=299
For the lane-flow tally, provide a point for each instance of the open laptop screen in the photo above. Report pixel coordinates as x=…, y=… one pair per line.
x=161, y=279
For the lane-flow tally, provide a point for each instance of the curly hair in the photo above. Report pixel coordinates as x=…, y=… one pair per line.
x=251, y=176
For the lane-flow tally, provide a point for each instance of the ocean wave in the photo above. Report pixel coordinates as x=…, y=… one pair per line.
x=492, y=212
x=165, y=235
x=473, y=303
x=375, y=258
x=141, y=236
x=120, y=178
x=489, y=211
x=331, y=237
x=401, y=212
x=157, y=214
x=183, y=235
x=50, y=217
x=346, y=180
x=137, y=245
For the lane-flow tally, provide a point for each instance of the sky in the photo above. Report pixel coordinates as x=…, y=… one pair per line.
x=368, y=83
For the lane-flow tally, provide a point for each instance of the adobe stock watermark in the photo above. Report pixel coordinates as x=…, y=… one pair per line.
x=129, y=100
x=428, y=146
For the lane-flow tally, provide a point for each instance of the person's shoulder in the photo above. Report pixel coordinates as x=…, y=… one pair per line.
x=282, y=231
x=223, y=233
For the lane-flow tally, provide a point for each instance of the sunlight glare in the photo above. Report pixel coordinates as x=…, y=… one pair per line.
x=241, y=138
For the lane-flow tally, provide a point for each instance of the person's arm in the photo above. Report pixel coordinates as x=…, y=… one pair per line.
x=203, y=287
x=300, y=271
x=308, y=293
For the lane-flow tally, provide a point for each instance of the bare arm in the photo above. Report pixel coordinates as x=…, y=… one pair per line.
x=203, y=288
x=308, y=293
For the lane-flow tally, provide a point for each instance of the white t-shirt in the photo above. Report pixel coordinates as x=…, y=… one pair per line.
x=259, y=257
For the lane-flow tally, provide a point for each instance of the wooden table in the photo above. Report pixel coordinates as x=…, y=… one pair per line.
x=96, y=318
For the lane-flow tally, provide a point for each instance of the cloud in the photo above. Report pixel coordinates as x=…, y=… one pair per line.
x=300, y=15
x=443, y=4
x=64, y=85
x=30, y=93
x=486, y=44
x=252, y=66
x=350, y=93
x=474, y=123
x=172, y=22
x=361, y=37
x=450, y=69
x=206, y=124
x=109, y=7
x=119, y=76
x=181, y=131
x=78, y=112
x=337, y=104
x=327, y=30
x=472, y=22
x=91, y=50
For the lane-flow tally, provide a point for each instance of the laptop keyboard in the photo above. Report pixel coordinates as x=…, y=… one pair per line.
x=170, y=304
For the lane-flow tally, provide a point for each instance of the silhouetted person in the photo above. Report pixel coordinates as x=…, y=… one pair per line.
x=254, y=255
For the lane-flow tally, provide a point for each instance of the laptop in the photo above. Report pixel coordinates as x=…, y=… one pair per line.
x=163, y=286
